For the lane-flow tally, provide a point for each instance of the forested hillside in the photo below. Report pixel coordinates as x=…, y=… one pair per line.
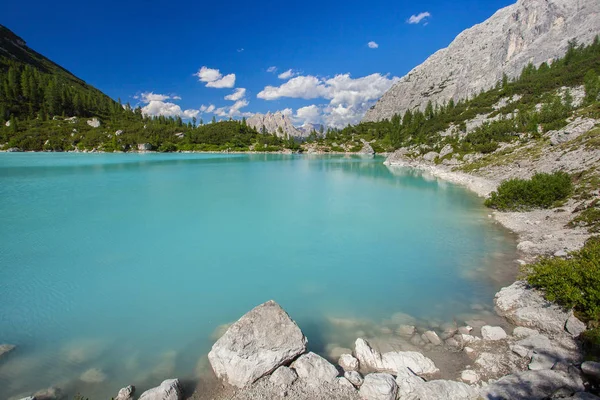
x=44, y=107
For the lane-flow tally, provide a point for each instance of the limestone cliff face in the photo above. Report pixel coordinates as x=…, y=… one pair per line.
x=273, y=123
x=528, y=31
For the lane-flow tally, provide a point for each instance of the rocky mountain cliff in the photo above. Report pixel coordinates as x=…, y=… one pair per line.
x=277, y=123
x=528, y=31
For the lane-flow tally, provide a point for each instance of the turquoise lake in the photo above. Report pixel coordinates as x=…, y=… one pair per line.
x=129, y=264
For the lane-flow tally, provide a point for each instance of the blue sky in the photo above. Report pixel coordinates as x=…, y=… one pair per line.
x=152, y=53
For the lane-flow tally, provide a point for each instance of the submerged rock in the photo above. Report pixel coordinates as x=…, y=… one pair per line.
x=52, y=393
x=314, y=369
x=531, y=385
x=379, y=387
x=6, y=348
x=169, y=389
x=254, y=346
x=93, y=375
x=354, y=377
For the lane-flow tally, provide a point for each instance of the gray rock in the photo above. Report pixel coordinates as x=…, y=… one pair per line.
x=93, y=375
x=531, y=385
x=348, y=362
x=561, y=253
x=354, y=377
x=492, y=333
x=6, y=348
x=283, y=376
x=144, y=147
x=591, y=369
x=345, y=383
x=521, y=350
x=574, y=326
x=259, y=342
x=30, y=398
x=558, y=350
x=447, y=149
x=465, y=330
x=452, y=343
x=392, y=361
x=433, y=338
x=582, y=396
x=14, y=150
x=126, y=393
x=119, y=132
x=407, y=383
x=469, y=376
x=366, y=149
x=447, y=390
x=169, y=389
x=527, y=307
x=94, y=122
x=431, y=156
x=529, y=31
x=521, y=332
x=541, y=361
x=378, y=387
x=572, y=131
x=277, y=124
x=52, y=393
x=314, y=369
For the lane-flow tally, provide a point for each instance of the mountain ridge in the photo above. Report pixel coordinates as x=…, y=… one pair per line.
x=533, y=31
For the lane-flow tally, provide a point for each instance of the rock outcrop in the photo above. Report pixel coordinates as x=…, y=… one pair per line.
x=314, y=369
x=529, y=31
x=392, y=361
x=532, y=385
x=277, y=124
x=169, y=389
x=257, y=344
x=379, y=387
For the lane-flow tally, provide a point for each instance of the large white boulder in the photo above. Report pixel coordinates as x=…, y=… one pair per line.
x=348, y=362
x=169, y=389
x=527, y=307
x=94, y=122
x=314, y=369
x=532, y=385
x=254, y=346
x=393, y=361
x=492, y=333
x=378, y=387
x=447, y=390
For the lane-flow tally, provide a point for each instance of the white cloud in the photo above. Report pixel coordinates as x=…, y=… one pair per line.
x=287, y=111
x=287, y=74
x=238, y=94
x=190, y=113
x=415, y=19
x=308, y=115
x=155, y=108
x=214, y=79
x=272, y=69
x=348, y=98
x=372, y=45
x=228, y=81
x=147, y=97
x=176, y=97
x=304, y=87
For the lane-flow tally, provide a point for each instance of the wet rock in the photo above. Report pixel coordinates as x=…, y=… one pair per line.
x=379, y=387
x=466, y=339
x=283, y=376
x=348, y=362
x=433, y=338
x=405, y=330
x=591, y=369
x=354, y=377
x=492, y=333
x=126, y=393
x=52, y=393
x=447, y=390
x=6, y=348
x=259, y=342
x=314, y=369
x=465, y=330
x=452, y=343
x=448, y=330
x=527, y=307
x=169, y=389
x=416, y=340
x=392, y=361
x=574, y=326
x=531, y=385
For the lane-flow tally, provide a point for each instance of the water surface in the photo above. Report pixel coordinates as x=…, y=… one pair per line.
x=128, y=263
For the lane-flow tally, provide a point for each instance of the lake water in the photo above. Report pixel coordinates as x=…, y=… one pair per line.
x=129, y=263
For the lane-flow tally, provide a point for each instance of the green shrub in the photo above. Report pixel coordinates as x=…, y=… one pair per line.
x=541, y=191
x=591, y=343
x=574, y=282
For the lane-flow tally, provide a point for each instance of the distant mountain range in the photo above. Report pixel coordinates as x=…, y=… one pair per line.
x=530, y=31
